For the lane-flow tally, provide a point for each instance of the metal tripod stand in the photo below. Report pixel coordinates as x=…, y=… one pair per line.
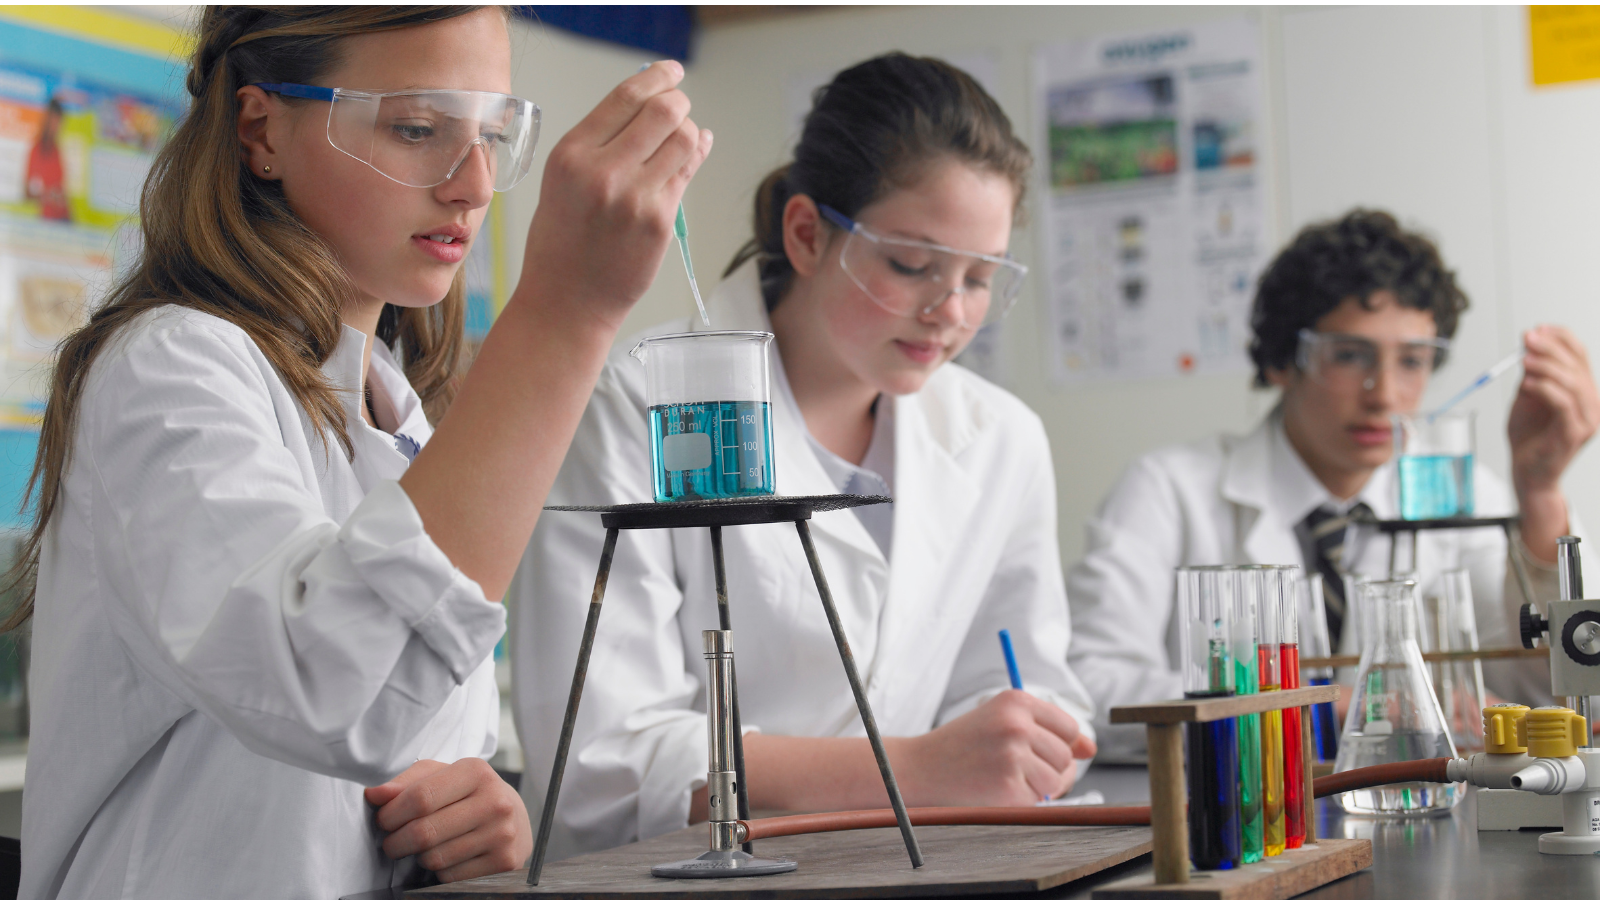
x=714, y=515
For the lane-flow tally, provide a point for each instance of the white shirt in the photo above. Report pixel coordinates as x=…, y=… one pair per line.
x=236, y=629
x=1230, y=499
x=974, y=551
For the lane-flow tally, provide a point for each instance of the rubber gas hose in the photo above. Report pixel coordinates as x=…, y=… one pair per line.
x=759, y=829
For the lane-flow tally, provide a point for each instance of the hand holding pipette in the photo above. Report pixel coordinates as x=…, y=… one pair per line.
x=1555, y=413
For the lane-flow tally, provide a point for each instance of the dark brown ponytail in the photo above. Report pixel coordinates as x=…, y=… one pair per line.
x=872, y=130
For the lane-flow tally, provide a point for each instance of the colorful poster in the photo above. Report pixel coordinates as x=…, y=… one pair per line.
x=1153, y=211
x=86, y=98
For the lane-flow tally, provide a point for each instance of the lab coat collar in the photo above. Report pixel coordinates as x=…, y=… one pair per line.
x=377, y=456
x=343, y=370
x=398, y=407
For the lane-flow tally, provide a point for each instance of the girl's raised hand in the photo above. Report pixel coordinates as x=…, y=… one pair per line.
x=609, y=195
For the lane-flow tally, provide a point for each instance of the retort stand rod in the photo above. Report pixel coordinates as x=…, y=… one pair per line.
x=848, y=658
x=547, y=816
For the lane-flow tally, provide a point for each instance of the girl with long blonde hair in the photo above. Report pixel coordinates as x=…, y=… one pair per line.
x=275, y=515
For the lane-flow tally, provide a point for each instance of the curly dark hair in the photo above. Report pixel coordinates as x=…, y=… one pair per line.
x=1357, y=255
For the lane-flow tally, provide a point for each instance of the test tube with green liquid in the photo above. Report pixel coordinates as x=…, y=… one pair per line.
x=1246, y=680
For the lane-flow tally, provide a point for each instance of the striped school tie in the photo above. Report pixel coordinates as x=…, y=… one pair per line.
x=1324, y=532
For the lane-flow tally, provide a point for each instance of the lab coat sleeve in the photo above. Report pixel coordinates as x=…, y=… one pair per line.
x=325, y=645
x=1026, y=595
x=1121, y=597
x=639, y=748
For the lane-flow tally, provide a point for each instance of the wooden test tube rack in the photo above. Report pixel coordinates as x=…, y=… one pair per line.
x=1290, y=873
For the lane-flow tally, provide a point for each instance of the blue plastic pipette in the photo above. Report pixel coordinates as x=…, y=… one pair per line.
x=1493, y=372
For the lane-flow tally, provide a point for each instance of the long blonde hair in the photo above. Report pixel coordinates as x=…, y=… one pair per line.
x=220, y=240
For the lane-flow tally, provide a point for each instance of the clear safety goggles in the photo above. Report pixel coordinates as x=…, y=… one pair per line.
x=1341, y=359
x=421, y=138
x=914, y=278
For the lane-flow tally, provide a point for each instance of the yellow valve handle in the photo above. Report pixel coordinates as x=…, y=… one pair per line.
x=1503, y=728
x=1554, y=731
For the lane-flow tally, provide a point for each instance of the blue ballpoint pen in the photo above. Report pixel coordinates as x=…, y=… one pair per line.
x=1011, y=659
x=1011, y=667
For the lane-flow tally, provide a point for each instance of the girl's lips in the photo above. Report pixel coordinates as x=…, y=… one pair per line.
x=921, y=353
x=1372, y=437
x=452, y=252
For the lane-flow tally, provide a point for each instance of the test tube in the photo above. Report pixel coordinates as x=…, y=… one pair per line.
x=1324, y=725
x=1213, y=749
x=1294, y=822
x=1246, y=680
x=1273, y=585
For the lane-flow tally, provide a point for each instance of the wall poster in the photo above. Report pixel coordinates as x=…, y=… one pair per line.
x=1153, y=220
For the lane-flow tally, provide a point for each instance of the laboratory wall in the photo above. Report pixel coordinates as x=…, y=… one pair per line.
x=1427, y=112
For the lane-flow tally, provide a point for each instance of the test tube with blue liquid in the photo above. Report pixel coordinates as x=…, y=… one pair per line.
x=1204, y=603
x=1316, y=643
x=710, y=416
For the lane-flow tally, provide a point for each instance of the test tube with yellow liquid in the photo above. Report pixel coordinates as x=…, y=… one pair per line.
x=1277, y=584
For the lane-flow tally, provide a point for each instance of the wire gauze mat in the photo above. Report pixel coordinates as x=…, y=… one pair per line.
x=815, y=502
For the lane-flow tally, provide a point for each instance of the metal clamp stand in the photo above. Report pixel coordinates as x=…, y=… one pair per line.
x=714, y=514
x=1396, y=527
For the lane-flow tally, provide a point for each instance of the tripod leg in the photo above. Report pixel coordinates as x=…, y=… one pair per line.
x=726, y=624
x=867, y=719
x=547, y=816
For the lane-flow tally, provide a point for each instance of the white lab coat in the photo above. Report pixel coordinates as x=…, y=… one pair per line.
x=974, y=550
x=1229, y=499
x=236, y=629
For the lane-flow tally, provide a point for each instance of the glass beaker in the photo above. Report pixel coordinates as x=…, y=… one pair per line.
x=1394, y=715
x=1435, y=462
x=710, y=416
x=1451, y=626
x=1205, y=609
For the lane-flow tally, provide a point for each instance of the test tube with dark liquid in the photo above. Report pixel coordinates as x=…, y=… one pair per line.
x=1212, y=747
x=1324, y=727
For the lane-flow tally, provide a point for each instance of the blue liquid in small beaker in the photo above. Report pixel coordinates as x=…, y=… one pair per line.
x=1435, y=487
x=704, y=451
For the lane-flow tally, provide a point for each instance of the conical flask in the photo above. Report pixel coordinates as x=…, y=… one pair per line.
x=1394, y=715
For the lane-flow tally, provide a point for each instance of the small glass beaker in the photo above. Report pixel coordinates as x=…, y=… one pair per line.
x=1435, y=463
x=710, y=415
x=1394, y=715
x=1451, y=626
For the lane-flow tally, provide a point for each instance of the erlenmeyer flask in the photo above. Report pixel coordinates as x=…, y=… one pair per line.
x=1394, y=715
x=1451, y=625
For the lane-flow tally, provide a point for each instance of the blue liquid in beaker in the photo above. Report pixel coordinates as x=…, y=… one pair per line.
x=1435, y=487
x=703, y=451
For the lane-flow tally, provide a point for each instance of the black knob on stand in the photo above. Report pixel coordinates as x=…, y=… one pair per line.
x=1533, y=625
